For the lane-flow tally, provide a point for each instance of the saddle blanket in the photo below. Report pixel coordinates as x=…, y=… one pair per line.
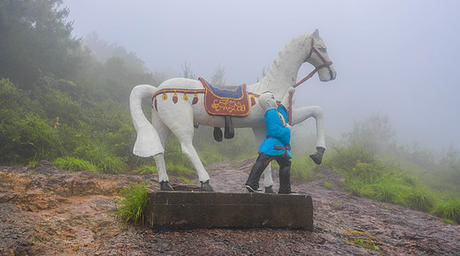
x=227, y=101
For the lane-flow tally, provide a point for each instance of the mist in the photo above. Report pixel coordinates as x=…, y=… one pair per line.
x=393, y=58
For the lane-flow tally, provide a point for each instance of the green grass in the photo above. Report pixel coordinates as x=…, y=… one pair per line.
x=327, y=185
x=32, y=163
x=179, y=169
x=449, y=209
x=146, y=169
x=302, y=168
x=131, y=209
x=367, y=176
x=102, y=156
x=186, y=180
x=366, y=244
x=75, y=164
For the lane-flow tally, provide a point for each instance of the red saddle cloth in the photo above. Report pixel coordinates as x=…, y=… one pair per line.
x=227, y=101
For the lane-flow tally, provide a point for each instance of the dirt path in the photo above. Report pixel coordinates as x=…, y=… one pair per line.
x=45, y=211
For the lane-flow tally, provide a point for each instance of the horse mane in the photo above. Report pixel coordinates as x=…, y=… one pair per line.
x=283, y=71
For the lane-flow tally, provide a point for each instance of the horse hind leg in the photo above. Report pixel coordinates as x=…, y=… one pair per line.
x=179, y=119
x=203, y=176
x=163, y=132
x=268, y=179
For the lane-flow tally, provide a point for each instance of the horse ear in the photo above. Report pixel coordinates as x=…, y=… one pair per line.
x=316, y=33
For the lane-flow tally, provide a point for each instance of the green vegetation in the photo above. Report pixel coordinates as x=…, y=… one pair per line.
x=131, y=208
x=327, y=185
x=75, y=164
x=368, y=176
x=146, y=169
x=449, y=209
x=66, y=100
x=302, y=169
x=366, y=244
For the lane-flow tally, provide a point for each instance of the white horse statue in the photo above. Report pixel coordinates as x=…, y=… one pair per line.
x=178, y=108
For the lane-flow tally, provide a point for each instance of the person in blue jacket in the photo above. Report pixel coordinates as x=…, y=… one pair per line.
x=276, y=146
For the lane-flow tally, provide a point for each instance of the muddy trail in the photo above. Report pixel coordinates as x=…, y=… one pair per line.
x=48, y=211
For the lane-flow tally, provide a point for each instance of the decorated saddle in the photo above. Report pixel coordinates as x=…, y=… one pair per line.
x=226, y=101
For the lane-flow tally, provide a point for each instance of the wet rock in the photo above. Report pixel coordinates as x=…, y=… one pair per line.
x=15, y=231
x=48, y=211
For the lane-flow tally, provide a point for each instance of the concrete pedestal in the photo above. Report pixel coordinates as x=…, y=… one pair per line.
x=228, y=210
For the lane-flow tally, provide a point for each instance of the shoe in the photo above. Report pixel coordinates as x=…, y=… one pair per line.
x=252, y=189
x=285, y=192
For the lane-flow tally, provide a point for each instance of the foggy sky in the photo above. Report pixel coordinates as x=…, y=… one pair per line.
x=397, y=58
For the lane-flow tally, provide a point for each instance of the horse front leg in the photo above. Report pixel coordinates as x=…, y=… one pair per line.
x=303, y=113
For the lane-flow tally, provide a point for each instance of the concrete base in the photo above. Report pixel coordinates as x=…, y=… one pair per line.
x=228, y=210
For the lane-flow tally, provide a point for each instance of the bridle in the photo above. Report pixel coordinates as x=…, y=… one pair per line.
x=310, y=75
x=322, y=65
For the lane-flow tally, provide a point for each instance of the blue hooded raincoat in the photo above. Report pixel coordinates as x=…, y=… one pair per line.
x=278, y=136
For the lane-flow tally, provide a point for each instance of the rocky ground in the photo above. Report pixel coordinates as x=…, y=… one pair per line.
x=47, y=211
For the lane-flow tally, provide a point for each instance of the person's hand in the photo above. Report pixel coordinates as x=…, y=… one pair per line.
x=285, y=100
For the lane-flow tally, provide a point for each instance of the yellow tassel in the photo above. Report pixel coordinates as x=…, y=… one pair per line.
x=165, y=97
x=185, y=97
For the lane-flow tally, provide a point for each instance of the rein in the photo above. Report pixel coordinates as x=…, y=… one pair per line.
x=310, y=75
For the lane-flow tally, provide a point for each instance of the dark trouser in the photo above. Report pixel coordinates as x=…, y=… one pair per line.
x=261, y=163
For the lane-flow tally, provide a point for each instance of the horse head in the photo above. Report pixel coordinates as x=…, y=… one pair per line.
x=283, y=72
x=319, y=58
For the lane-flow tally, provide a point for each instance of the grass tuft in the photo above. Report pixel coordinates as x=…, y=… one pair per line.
x=132, y=205
x=366, y=244
x=75, y=164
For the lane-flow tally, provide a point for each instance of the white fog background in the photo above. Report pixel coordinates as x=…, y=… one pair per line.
x=395, y=58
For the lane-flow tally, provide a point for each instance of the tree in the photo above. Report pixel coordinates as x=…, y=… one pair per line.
x=35, y=40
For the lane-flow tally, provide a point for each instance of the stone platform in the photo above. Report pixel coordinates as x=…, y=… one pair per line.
x=181, y=209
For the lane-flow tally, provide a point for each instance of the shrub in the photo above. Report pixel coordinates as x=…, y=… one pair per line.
x=345, y=158
x=74, y=164
x=100, y=154
x=383, y=181
x=133, y=203
x=449, y=209
x=367, y=172
x=420, y=199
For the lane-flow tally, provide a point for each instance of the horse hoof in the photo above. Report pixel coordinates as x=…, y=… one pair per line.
x=317, y=157
x=206, y=187
x=164, y=186
x=269, y=190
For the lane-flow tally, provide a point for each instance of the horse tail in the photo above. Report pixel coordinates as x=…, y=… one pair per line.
x=147, y=141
